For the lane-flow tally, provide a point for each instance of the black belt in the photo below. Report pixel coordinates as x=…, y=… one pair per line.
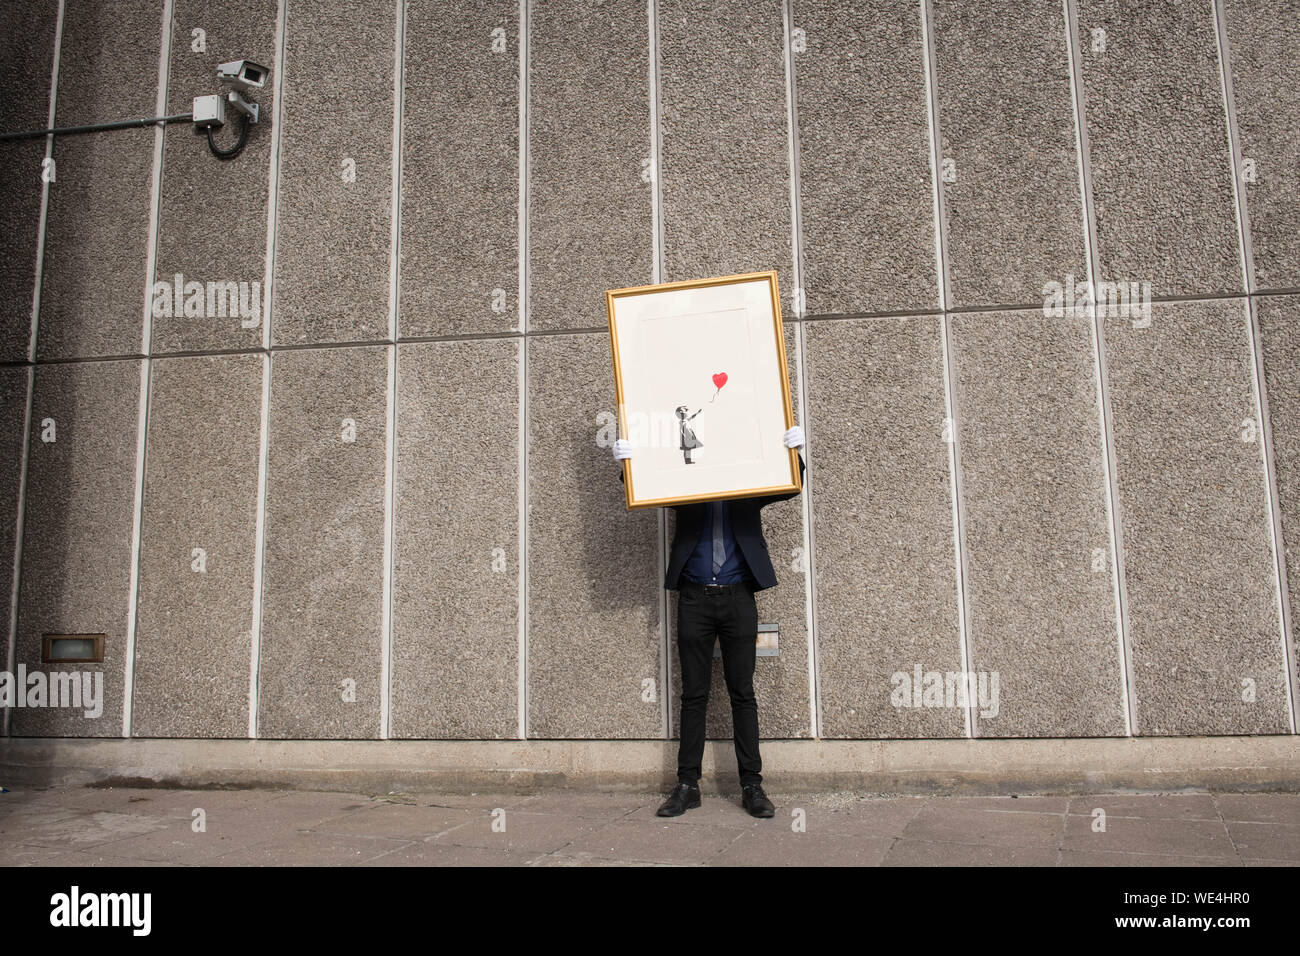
x=687, y=583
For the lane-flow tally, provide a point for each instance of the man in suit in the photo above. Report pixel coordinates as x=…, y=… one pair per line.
x=719, y=559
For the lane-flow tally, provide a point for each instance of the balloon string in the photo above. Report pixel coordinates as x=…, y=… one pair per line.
x=715, y=395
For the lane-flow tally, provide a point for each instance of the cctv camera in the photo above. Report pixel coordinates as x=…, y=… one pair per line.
x=243, y=74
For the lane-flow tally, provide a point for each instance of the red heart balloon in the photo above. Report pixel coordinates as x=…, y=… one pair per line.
x=720, y=379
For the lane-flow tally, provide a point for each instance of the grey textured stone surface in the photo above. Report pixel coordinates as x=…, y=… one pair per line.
x=26, y=49
x=193, y=635
x=594, y=575
x=13, y=406
x=725, y=175
x=460, y=169
x=1040, y=580
x=1264, y=45
x=865, y=178
x=885, y=556
x=322, y=585
x=1198, y=565
x=212, y=225
x=76, y=562
x=93, y=287
x=1279, y=323
x=781, y=682
x=1006, y=118
x=455, y=595
x=590, y=223
x=1162, y=179
x=334, y=239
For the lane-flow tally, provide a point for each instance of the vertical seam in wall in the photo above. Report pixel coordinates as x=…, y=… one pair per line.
x=1115, y=528
x=390, y=426
x=941, y=253
x=263, y=447
x=523, y=369
x=1269, y=462
x=11, y=651
x=146, y=367
x=797, y=300
x=656, y=277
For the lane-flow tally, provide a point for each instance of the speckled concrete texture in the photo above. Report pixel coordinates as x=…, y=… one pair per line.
x=1006, y=118
x=1264, y=45
x=885, y=557
x=780, y=682
x=76, y=562
x=334, y=238
x=1203, y=615
x=93, y=288
x=212, y=226
x=1279, y=325
x=1161, y=175
x=193, y=636
x=13, y=406
x=323, y=566
x=460, y=169
x=865, y=178
x=456, y=572
x=1041, y=579
x=725, y=174
x=27, y=33
x=589, y=214
x=594, y=576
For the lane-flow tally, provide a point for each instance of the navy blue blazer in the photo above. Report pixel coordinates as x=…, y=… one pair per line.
x=746, y=526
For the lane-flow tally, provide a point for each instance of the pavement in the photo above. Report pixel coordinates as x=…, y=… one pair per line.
x=110, y=826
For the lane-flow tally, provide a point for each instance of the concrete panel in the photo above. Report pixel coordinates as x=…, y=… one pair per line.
x=456, y=544
x=865, y=180
x=212, y=225
x=13, y=406
x=334, y=236
x=1006, y=117
x=725, y=152
x=460, y=169
x=93, y=288
x=1041, y=580
x=590, y=223
x=594, y=575
x=76, y=561
x=27, y=35
x=885, y=556
x=1279, y=321
x=1264, y=42
x=1202, y=599
x=781, y=682
x=322, y=576
x=193, y=638
x=1161, y=176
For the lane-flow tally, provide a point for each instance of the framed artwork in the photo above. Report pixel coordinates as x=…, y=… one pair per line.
x=702, y=390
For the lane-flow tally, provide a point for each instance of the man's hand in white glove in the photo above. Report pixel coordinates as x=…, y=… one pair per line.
x=622, y=449
x=794, y=437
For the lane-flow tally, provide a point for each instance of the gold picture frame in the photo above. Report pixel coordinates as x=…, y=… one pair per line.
x=746, y=285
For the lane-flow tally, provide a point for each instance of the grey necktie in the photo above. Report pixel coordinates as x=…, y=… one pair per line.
x=719, y=553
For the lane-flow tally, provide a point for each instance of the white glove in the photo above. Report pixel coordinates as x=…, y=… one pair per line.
x=622, y=449
x=794, y=437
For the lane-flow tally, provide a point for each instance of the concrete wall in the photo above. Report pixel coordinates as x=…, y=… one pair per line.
x=381, y=508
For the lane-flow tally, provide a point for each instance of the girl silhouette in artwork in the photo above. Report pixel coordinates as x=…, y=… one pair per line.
x=689, y=442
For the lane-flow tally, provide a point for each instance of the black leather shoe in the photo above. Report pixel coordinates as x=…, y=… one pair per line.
x=685, y=796
x=755, y=801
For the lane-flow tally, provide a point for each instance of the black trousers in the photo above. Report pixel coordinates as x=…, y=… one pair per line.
x=730, y=617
